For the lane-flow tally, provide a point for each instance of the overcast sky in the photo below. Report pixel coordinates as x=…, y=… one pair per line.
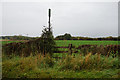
x=88, y=19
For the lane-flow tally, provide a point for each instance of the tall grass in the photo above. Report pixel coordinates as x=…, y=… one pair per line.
x=89, y=62
x=21, y=66
x=38, y=66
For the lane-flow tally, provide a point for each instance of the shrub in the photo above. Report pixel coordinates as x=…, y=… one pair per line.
x=47, y=41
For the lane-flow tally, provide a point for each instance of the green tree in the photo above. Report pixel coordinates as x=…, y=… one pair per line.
x=67, y=36
x=47, y=41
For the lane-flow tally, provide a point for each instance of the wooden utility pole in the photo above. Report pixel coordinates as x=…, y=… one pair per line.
x=49, y=14
x=49, y=29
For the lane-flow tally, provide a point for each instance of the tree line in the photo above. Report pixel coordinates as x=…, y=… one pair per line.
x=20, y=37
x=66, y=36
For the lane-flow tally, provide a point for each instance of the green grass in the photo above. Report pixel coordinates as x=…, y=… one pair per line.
x=47, y=67
x=53, y=73
x=6, y=42
x=80, y=42
x=75, y=42
x=84, y=42
x=71, y=67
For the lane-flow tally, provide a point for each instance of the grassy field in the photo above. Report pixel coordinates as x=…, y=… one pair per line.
x=6, y=42
x=89, y=66
x=80, y=66
x=84, y=42
x=75, y=42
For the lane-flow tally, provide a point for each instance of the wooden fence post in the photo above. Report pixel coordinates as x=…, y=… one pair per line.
x=70, y=49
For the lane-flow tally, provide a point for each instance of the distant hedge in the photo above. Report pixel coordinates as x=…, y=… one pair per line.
x=17, y=37
x=67, y=36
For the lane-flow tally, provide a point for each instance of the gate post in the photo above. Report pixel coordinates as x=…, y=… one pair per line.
x=70, y=49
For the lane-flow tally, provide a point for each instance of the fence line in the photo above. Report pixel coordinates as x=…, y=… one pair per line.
x=70, y=48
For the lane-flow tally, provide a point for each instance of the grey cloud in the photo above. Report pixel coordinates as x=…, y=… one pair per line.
x=79, y=19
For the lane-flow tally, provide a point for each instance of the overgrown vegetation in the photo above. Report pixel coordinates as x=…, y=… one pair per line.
x=47, y=41
x=89, y=66
x=69, y=66
x=89, y=62
x=42, y=45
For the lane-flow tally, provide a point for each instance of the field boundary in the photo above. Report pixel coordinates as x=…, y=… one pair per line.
x=104, y=49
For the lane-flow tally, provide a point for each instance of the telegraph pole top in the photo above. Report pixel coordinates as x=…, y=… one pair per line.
x=49, y=14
